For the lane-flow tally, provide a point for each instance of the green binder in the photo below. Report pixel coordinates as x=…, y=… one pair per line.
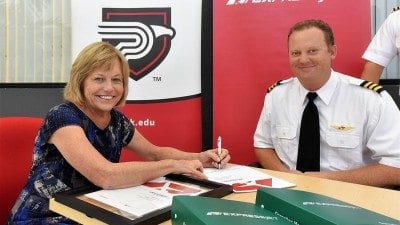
x=197, y=210
x=309, y=208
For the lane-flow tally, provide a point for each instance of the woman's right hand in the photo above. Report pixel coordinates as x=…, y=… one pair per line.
x=192, y=168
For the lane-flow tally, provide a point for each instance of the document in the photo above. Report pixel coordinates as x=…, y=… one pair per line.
x=244, y=178
x=146, y=198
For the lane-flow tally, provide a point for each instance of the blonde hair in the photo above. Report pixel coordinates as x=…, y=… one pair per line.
x=92, y=57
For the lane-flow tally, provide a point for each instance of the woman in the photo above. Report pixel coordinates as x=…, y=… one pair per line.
x=80, y=141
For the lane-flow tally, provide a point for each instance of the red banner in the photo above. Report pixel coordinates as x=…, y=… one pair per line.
x=250, y=54
x=176, y=124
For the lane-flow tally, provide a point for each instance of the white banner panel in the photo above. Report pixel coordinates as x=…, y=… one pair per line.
x=161, y=40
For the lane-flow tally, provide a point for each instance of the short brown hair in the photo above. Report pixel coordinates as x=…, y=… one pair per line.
x=92, y=57
x=323, y=26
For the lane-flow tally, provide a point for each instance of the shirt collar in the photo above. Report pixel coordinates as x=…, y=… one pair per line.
x=325, y=93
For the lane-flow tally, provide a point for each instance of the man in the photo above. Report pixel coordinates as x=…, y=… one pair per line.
x=359, y=129
x=383, y=48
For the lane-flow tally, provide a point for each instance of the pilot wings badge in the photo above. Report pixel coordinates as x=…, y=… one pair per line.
x=342, y=127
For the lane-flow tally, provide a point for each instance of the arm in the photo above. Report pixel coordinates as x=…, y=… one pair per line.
x=382, y=48
x=378, y=175
x=79, y=152
x=383, y=140
x=269, y=159
x=141, y=146
x=372, y=72
x=374, y=175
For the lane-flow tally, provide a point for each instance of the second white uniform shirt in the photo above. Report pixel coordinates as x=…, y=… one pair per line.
x=386, y=42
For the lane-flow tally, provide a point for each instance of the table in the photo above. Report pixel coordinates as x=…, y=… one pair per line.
x=380, y=200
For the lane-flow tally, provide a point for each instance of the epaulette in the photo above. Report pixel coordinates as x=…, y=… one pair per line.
x=372, y=86
x=273, y=86
x=396, y=8
x=278, y=83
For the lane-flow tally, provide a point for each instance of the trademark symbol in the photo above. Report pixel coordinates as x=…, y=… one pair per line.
x=156, y=79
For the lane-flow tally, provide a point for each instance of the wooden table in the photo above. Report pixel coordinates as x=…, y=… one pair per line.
x=380, y=200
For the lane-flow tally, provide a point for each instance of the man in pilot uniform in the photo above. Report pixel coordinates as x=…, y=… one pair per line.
x=358, y=125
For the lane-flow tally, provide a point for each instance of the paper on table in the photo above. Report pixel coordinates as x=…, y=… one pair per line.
x=137, y=200
x=143, y=199
x=245, y=179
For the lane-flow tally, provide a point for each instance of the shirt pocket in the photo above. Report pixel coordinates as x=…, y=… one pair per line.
x=342, y=140
x=284, y=132
x=343, y=150
x=285, y=143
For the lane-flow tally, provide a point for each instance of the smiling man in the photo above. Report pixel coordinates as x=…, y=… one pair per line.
x=327, y=124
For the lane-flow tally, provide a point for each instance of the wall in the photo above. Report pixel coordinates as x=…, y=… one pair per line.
x=392, y=86
x=29, y=99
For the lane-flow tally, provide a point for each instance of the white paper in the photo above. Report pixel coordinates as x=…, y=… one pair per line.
x=146, y=198
x=241, y=177
x=137, y=201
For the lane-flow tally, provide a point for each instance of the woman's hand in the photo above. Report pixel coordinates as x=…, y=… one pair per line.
x=192, y=168
x=210, y=158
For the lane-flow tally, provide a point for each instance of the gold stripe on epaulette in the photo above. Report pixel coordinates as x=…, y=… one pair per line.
x=372, y=86
x=273, y=86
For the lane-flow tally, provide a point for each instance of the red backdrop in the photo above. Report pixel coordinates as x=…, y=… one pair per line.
x=250, y=54
x=176, y=124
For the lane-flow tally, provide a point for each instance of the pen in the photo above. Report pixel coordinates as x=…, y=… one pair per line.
x=219, y=145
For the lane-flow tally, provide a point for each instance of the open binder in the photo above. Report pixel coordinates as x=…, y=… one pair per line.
x=76, y=199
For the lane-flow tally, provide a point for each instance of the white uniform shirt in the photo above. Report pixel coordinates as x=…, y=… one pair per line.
x=386, y=42
x=358, y=126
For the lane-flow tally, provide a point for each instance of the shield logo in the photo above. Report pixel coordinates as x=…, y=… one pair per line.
x=143, y=35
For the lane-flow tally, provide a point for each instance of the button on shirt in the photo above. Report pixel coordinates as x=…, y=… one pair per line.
x=357, y=126
x=386, y=42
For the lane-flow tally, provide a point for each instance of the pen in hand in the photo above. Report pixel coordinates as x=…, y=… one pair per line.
x=219, y=145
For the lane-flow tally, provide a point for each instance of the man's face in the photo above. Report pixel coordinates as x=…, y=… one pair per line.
x=310, y=57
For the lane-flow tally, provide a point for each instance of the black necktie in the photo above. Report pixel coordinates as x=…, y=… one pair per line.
x=308, y=154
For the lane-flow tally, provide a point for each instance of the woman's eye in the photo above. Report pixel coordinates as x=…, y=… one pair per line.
x=117, y=80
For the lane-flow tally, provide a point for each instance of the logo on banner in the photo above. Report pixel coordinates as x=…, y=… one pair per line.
x=143, y=35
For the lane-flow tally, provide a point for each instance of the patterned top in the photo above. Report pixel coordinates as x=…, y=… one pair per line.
x=51, y=173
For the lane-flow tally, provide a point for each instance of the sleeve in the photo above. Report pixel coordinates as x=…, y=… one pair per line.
x=127, y=129
x=383, y=133
x=262, y=135
x=58, y=117
x=382, y=48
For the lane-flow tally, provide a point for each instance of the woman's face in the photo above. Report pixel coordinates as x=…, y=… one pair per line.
x=103, y=88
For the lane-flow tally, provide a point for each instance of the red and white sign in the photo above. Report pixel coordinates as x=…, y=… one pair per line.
x=161, y=40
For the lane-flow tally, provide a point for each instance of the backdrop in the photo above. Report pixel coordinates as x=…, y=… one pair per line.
x=161, y=39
